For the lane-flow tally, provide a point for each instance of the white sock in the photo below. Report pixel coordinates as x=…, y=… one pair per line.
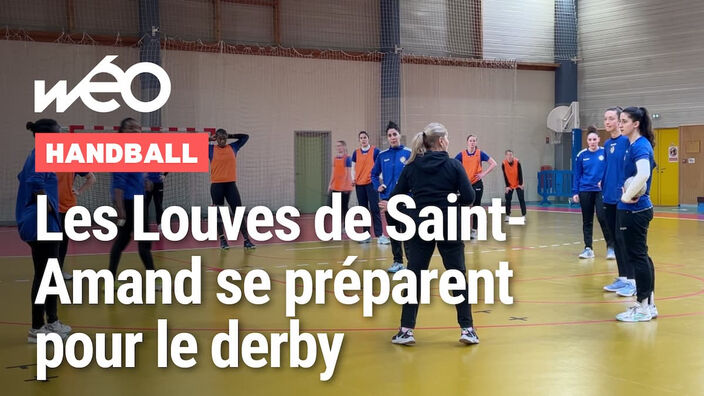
x=644, y=306
x=405, y=329
x=652, y=298
x=632, y=282
x=622, y=278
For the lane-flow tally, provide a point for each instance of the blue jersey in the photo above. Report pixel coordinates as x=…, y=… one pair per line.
x=131, y=184
x=389, y=164
x=31, y=182
x=614, y=151
x=588, y=171
x=640, y=149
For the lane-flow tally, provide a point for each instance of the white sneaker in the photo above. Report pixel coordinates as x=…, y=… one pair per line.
x=67, y=276
x=383, y=240
x=653, y=311
x=587, y=254
x=32, y=334
x=58, y=327
x=610, y=254
x=506, y=219
x=635, y=314
x=469, y=337
x=403, y=338
x=473, y=234
x=395, y=267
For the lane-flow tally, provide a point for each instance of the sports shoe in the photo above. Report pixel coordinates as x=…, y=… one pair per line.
x=32, y=334
x=366, y=240
x=610, y=254
x=634, y=314
x=383, y=240
x=58, y=327
x=587, y=253
x=67, y=276
x=395, y=267
x=223, y=243
x=473, y=234
x=616, y=285
x=627, y=291
x=653, y=311
x=506, y=219
x=249, y=245
x=403, y=337
x=469, y=336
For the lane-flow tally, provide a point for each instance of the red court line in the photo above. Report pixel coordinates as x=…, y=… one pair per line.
x=361, y=329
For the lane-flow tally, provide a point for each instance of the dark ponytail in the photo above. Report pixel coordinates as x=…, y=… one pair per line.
x=43, y=125
x=645, y=125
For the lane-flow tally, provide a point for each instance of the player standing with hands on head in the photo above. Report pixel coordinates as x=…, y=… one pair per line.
x=586, y=187
x=431, y=176
x=513, y=176
x=636, y=211
x=388, y=165
x=223, y=178
x=471, y=160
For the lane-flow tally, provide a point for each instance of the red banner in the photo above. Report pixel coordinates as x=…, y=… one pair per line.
x=121, y=152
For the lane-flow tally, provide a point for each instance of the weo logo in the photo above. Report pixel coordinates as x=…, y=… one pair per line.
x=122, y=85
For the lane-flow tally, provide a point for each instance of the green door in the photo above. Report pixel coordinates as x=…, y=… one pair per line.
x=313, y=167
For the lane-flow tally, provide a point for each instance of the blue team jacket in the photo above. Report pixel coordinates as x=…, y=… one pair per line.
x=389, y=164
x=588, y=171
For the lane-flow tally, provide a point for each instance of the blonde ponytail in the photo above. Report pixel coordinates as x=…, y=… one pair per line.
x=426, y=140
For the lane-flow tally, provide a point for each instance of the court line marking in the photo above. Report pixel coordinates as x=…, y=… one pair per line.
x=363, y=329
x=316, y=247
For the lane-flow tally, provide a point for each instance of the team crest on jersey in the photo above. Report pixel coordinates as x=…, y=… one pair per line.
x=403, y=160
x=612, y=149
x=601, y=158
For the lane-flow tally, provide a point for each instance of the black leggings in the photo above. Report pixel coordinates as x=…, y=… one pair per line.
x=521, y=201
x=452, y=258
x=345, y=202
x=634, y=228
x=589, y=201
x=124, y=236
x=157, y=193
x=219, y=192
x=41, y=252
x=625, y=268
x=397, y=247
x=368, y=197
x=478, y=192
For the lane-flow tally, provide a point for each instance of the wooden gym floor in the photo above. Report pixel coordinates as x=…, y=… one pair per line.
x=558, y=338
